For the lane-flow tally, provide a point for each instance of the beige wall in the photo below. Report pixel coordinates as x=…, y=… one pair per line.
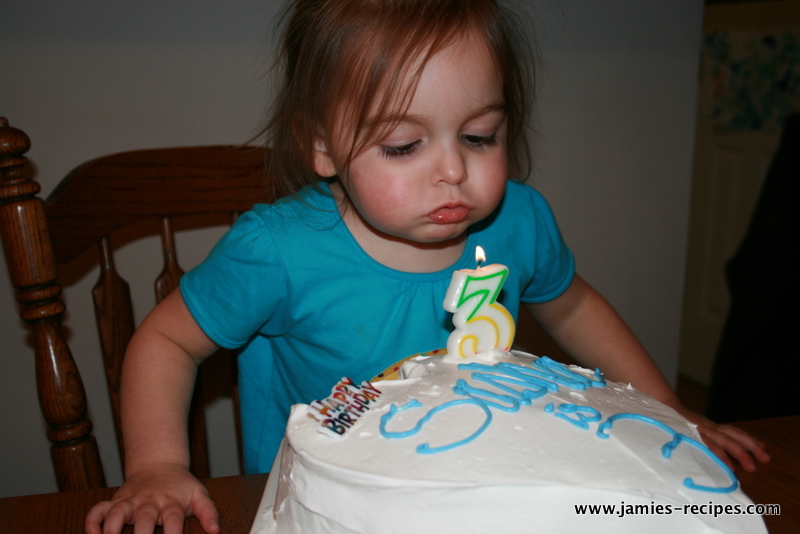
x=613, y=155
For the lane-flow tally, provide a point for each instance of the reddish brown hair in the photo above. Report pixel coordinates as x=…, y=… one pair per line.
x=344, y=62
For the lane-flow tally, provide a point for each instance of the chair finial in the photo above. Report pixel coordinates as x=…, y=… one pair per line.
x=12, y=141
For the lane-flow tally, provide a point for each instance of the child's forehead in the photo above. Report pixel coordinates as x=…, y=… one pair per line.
x=386, y=103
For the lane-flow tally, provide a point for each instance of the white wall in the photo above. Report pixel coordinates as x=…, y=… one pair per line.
x=613, y=155
x=616, y=124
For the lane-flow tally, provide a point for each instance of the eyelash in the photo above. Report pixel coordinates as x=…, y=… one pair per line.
x=396, y=152
x=480, y=140
x=473, y=141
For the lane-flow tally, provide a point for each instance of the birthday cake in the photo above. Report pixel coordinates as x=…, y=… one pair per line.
x=478, y=438
x=497, y=442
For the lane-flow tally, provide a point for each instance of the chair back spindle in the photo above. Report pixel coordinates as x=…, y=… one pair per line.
x=171, y=274
x=86, y=208
x=113, y=311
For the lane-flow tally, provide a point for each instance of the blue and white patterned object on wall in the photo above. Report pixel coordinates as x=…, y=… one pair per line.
x=753, y=79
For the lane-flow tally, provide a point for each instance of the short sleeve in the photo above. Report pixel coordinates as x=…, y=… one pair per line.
x=554, y=264
x=241, y=288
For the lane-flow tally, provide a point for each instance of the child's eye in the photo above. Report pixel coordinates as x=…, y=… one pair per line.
x=392, y=152
x=479, y=141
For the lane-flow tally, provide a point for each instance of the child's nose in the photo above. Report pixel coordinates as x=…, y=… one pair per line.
x=452, y=167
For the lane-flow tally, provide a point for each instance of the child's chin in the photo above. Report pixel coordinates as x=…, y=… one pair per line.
x=447, y=236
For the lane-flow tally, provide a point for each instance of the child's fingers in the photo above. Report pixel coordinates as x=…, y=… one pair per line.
x=173, y=516
x=716, y=447
x=111, y=515
x=755, y=447
x=735, y=449
x=727, y=441
x=96, y=516
x=205, y=512
x=146, y=518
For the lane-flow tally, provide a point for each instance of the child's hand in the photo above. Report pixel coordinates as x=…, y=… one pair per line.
x=165, y=496
x=729, y=442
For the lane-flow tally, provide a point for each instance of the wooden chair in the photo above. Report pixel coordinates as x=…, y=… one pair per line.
x=88, y=206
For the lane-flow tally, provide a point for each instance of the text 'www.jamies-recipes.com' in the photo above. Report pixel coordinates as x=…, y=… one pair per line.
x=622, y=509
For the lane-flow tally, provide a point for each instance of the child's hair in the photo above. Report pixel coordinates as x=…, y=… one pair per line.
x=346, y=63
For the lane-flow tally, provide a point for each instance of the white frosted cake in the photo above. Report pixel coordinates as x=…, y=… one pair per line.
x=498, y=442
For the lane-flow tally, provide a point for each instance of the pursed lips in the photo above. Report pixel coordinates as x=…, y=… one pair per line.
x=450, y=213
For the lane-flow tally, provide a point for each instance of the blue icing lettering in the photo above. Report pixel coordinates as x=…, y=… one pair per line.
x=581, y=420
x=393, y=409
x=666, y=450
x=516, y=374
x=563, y=375
x=544, y=372
x=463, y=388
x=425, y=448
x=518, y=386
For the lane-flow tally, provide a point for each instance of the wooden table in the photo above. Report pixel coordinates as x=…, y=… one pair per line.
x=777, y=482
x=237, y=498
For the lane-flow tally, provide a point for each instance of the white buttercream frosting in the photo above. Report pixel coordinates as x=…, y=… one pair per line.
x=525, y=472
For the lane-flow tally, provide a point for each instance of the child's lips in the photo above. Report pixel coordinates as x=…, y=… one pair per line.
x=450, y=214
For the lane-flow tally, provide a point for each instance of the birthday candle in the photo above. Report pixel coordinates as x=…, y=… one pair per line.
x=481, y=322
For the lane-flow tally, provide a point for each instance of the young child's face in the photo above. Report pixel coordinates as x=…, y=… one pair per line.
x=444, y=166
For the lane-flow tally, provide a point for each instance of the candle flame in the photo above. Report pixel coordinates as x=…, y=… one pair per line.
x=480, y=255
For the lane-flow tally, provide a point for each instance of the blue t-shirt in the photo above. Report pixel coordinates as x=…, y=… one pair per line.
x=291, y=287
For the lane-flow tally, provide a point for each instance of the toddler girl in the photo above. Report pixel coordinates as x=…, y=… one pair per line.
x=391, y=144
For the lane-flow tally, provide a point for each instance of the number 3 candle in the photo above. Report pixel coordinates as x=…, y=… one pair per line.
x=481, y=323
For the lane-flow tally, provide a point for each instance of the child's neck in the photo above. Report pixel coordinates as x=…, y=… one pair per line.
x=410, y=257
x=395, y=252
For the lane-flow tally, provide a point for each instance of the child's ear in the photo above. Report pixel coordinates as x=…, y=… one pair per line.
x=323, y=162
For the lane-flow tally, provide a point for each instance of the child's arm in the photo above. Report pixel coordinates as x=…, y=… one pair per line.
x=157, y=383
x=585, y=325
